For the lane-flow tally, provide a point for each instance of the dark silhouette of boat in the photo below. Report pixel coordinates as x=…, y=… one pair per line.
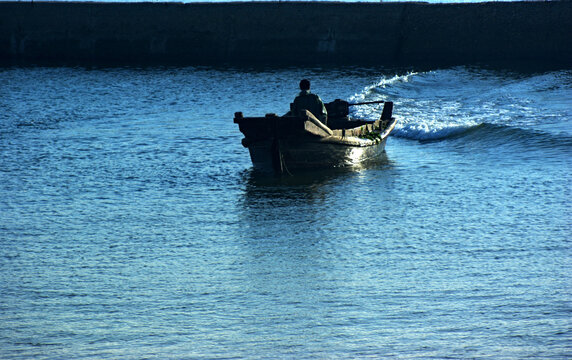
x=293, y=142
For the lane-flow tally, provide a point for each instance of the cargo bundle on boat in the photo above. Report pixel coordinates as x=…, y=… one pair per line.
x=289, y=143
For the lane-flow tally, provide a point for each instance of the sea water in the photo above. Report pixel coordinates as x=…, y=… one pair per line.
x=133, y=226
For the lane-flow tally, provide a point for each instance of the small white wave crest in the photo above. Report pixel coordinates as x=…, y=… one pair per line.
x=430, y=130
x=373, y=92
x=377, y=91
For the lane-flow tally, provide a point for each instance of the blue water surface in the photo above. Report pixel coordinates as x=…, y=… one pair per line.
x=132, y=224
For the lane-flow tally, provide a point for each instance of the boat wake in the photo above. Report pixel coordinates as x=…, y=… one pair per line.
x=451, y=103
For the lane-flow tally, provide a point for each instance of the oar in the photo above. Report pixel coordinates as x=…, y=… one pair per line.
x=367, y=103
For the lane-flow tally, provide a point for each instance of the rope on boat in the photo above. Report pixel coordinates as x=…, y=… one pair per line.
x=278, y=162
x=283, y=166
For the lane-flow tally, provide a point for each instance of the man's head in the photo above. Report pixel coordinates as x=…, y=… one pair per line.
x=305, y=84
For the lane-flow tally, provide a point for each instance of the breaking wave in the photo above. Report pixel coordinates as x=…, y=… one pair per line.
x=441, y=104
x=431, y=131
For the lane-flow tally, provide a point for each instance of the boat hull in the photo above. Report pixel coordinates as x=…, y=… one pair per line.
x=289, y=155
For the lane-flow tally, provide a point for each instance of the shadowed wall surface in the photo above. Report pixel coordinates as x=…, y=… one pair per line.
x=286, y=32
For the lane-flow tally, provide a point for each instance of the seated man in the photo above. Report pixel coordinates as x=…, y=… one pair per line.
x=311, y=102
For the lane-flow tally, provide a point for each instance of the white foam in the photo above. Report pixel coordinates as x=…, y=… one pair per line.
x=430, y=130
x=417, y=119
x=372, y=92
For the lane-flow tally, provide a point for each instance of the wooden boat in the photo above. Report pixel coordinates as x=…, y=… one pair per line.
x=290, y=143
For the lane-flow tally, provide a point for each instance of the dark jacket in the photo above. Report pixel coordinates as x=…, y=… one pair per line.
x=311, y=102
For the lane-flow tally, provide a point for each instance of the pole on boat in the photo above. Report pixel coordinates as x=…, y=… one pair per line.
x=367, y=103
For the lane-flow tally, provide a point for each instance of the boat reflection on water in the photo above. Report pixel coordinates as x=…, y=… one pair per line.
x=264, y=192
x=294, y=219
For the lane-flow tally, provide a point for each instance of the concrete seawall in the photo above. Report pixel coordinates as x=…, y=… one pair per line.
x=312, y=32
